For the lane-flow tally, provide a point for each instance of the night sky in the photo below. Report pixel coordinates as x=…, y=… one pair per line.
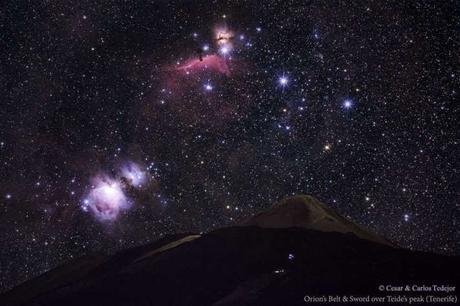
x=122, y=122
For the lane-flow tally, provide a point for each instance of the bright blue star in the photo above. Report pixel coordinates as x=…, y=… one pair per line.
x=347, y=104
x=224, y=50
x=283, y=81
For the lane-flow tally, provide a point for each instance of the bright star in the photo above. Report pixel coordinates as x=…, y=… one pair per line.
x=283, y=81
x=316, y=34
x=208, y=87
x=224, y=50
x=348, y=103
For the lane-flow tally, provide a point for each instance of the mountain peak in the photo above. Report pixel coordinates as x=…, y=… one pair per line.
x=305, y=211
x=227, y=264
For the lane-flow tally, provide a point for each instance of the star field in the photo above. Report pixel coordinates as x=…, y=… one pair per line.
x=125, y=122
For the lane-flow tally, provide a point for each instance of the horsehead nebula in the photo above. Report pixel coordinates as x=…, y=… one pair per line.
x=208, y=62
x=106, y=200
x=205, y=88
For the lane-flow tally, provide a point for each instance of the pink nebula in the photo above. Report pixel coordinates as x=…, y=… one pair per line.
x=106, y=200
x=209, y=62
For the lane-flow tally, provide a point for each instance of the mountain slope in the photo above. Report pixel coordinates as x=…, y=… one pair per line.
x=244, y=265
x=307, y=212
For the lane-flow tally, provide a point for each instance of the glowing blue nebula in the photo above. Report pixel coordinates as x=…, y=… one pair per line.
x=134, y=174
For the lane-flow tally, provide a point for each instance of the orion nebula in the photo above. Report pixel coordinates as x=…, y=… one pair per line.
x=109, y=196
x=106, y=200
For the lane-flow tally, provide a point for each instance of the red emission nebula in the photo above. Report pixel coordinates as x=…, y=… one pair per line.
x=207, y=90
x=209, y=62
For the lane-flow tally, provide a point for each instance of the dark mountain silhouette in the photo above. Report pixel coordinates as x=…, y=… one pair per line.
x=299, y=247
